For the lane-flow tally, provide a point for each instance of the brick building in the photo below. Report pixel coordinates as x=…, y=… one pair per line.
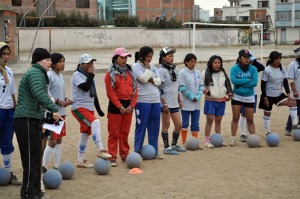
x=21, y=6
x=150, y=9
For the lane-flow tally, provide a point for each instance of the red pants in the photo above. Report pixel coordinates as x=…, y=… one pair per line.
x=118, y=130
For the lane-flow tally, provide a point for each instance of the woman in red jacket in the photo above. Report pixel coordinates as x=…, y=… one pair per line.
x=122, y=93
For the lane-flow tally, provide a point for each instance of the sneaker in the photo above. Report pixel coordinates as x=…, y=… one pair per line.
x=178, y=148
x=42, y=187
x=44, y=169
x=170, y=151
x=14, y=180
x=84, y=164
x=288, y=132
x=209, y=145
x=103, y=154
x=113, y=163
x=158, y=157
x=232, y=142
x=243, y=138
x=224, y=145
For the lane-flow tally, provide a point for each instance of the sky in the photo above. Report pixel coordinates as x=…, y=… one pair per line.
x=211, y=4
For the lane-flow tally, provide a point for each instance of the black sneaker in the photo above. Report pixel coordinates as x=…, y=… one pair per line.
x=44, y=169
x=243, y=138
x=14, y=180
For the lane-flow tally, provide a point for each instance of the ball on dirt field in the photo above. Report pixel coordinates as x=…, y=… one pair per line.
x=102, y=166
x=52, y=179
x=216, y=139
x=148, y=152
x=4, y=176
x=296, y=134
x=253, y=141
x=192, y=144
x=272, y=139
x=133, y=160
x=67, y=170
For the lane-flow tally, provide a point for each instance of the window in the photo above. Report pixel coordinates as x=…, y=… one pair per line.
x=283, y=15
x=297, y=14
x=217, y=12
x=263, y=4
x=257, y=16
x=230, y=18
x=283, y=1
x=246, y=5
x=82, y=4
x=244, y=18
x=16, y=2
x=166, y=1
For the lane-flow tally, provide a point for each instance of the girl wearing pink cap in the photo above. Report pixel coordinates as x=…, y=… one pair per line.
x=122, y=93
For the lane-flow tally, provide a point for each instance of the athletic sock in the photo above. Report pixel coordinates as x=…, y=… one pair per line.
x=7, y=162
x=175, y=138
x=84, y=137
x=294, y=116
x=242, y=124
x=95, y=126
x=165, y=137
x=183, y=135
x=48, y=154
x=57, y=155
x=267, y=124
x=207, y=139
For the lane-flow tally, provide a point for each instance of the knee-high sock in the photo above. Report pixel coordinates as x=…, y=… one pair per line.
x=57, y=155
x=294, y=116
x=267, y=124
x=48, y=154
x=84, y=137
x=175, y=138
x=165, y=137
x=7, y=161
x=242, y=124
x=95, y=126
x=183, y=135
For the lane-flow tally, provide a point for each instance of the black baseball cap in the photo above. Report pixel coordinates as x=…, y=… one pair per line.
x=244, y=53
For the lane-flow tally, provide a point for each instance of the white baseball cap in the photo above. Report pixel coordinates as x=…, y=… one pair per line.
x=85, y=59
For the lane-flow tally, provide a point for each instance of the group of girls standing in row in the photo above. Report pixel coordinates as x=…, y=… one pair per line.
x=154, y=93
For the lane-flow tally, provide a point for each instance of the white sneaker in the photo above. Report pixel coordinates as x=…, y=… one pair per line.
x=84, y=164
x=209, y=145
x=103, y=154
x=232, y=142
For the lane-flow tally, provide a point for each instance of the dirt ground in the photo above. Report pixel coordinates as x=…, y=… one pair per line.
x=226, y=172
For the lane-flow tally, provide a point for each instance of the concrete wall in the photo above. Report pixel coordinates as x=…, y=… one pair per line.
x=96, y=38
x=110, y=38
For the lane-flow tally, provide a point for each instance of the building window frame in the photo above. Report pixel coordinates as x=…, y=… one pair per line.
x=166, y=1
x=230, y=18
x=82, y=3
x=16, y=2
x=283, y=1
x=297, y=14
x=263, y=4
x=284, y=15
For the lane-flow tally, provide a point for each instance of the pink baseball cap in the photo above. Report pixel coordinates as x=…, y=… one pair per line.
x=122, y=52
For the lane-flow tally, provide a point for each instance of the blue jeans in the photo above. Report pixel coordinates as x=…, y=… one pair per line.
x=289, y=121
x=195, y=117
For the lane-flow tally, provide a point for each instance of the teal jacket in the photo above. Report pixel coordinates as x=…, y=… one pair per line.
x=244, y=82
x=33, y=96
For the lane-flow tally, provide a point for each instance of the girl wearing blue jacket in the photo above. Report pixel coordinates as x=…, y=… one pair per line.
x=244, y=78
